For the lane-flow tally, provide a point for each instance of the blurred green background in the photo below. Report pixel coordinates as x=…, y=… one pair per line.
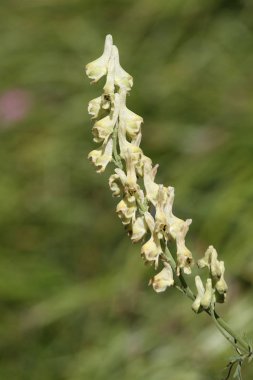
x=73, y=289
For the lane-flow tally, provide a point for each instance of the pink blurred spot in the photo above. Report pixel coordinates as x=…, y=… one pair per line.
x=14, y=105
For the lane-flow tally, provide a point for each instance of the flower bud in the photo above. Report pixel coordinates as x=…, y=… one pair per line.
x=221, y=285
x=200, y=293
x=208, y=295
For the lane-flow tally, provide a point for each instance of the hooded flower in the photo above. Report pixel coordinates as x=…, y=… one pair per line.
x=210, y=260
x=175, y=224
x=94, y=107
x=98, y=107
x=110, y=78
x=221, y=285
x=103, y=128
x=204, y=296
x=102, y=156
x=163, y=279
x=139, y=229
x=124, y=145
x=207, y=298
x=161, y=226
x=98, y=68
x=184, y=256
x=200, y=293
x=115, y=185
x=151, y=250
x=151, y=187
x=144, y=160
x=132, y=122
x=122, y=78
x=126, y=181
x=126, y=210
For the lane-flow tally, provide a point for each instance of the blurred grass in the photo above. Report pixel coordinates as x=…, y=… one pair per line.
x=74, y=297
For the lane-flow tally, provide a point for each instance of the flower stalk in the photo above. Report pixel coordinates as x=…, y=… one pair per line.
x=146, y=207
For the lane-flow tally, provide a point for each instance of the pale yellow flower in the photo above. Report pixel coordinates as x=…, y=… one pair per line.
x=103, y=128
x=207, y=298
x=204, y=296
x=221, y=285
x=184, y=256
x=144, y=160
x=126, y=210
x=102, y=156
x=163, y=279
x=132, y=122
x=122, y=78
x=98, y=68
x=151, y=250
x=161, y=225
x=110, y=78
x=94, y=107
x=151, y=187
x=211, y=261
x=115, y=185
x=200, y=293
x=139, y=229
x=175, y=224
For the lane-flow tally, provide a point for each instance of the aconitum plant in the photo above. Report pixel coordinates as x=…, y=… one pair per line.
x=146, y=207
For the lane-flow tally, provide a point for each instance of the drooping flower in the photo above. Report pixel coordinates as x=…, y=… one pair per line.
x=221, y=285
x=151, y=250
x=126, y=210
x=139, y=229
x=122, y=78
x=163, y=279
x=151, y=187
x=102, y=156
x=98, y=68
x=211, y=261
x=127, y=181
x=175, y=224
x=94, y=107
x=103, y=128
x=124, y=145
x=184, y=256
x=161, y=225
x=132, y=122
x=115, y=185
x=110, y=78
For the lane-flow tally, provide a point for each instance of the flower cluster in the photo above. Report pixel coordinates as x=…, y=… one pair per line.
x=216, y=287
x=145, y=207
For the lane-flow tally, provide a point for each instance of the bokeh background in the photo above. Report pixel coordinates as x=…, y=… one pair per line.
x=74, y=301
